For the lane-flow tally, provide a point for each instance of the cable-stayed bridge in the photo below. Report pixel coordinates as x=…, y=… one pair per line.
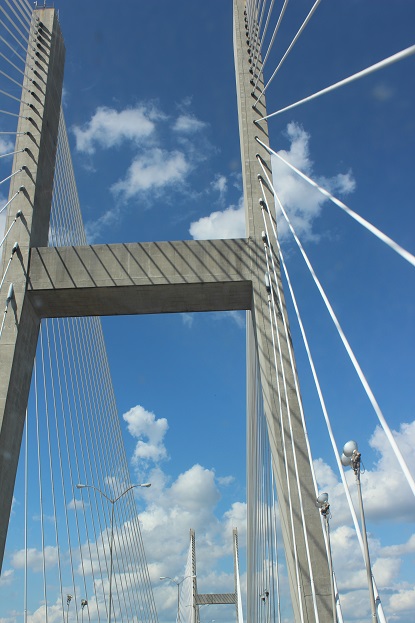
x=75, y=421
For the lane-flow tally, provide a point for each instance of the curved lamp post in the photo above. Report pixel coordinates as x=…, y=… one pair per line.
x=322, y=503
x=351, y=458
x=167, y=577
x=112, y=501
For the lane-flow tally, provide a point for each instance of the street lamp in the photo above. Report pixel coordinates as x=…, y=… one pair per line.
x=167, y=577
x=351, y=458
x=84, y=602
x=322, y=503
x=68, y=601
x=112, y=501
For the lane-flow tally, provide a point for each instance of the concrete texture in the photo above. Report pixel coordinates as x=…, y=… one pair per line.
x=145, y=278
x=38, y=124
x=249, y=127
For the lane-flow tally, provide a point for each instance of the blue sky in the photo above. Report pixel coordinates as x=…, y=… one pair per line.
x=150, y=107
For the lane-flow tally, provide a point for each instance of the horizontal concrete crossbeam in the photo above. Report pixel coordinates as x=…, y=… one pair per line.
x=214, y=598
x=141, y=278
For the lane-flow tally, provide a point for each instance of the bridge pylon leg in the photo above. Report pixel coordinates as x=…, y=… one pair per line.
x=302, y=583
x=37, y=133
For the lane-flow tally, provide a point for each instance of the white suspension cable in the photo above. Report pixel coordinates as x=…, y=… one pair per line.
x=19, y=84
x=23, y=11
x=40, y=486
x=326, y=417
x=374, y=230
x=14, y=24
x=17, y=16
x=18, y=215
x=346, y=344
x=19, y=170
x=274, y=34
x=290, y=47
x=11, y=153
x=256, y=43
x=365, y=72
x=9, y=298
x=271, y=308
x=7, y=59
x=19, y=43
x=49, y=445
x=280, y=306
x=14, y=250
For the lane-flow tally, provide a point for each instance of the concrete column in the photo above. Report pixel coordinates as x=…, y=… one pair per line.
x=249, y=128
x=37, y=128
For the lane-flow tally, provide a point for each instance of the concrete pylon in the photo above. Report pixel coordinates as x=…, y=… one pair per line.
x=37, y=135
x=249, y=113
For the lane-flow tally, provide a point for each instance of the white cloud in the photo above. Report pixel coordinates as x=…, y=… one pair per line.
x=238, y=317
x=226, y=480
x=150, y=433
x=6, y=146
x=188, y=124
x=187, y=319
x=400, y=550
x=6, y=578
x=109, y=128
x=155, y=170
x=229, y=223
x=220, y=184
x=175, y=506
x=302, y=202
x=380, y=484
x=35, y=558
x=403, y=601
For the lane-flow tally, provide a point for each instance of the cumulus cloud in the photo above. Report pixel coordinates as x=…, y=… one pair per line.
x=35, y=558
x=403, y=601
x=109, y=128
x=149, y=431
x=229, y=223
x=380, y=484
x=173, y=506
x=155, y=170
x=302, y=202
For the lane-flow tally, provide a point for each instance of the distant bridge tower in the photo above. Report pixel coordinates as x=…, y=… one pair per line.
x=162, y=277
x=191, y=614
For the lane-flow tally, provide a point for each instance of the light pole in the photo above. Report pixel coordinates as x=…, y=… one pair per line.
x=323, y=504
x=68, y=601
x=84, y=603
x=112, y=501
x=351, y=457
x=167, y=577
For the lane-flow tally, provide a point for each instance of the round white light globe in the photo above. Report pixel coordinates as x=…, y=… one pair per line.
x=349, y=448
x=346, y=460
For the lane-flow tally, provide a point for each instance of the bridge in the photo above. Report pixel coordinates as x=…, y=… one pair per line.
x=90, y=556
